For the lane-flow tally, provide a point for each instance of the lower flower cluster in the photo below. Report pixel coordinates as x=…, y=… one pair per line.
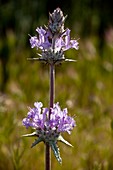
x=49, y=125
x=59, y=121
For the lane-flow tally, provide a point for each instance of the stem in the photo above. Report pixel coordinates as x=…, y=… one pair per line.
x=48, y=149
x=52, y=84
x=47, y=157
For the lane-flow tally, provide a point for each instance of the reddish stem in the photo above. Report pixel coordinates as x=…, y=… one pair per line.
x=52, y=84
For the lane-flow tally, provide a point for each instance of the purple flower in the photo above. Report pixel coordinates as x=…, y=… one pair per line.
x=44, y=42
x=49, y=130
x=68, y=43
x=65, y=43
x=53, y=40
x=59, y=121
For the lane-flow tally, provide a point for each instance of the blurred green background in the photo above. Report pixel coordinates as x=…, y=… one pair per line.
x=84, y=87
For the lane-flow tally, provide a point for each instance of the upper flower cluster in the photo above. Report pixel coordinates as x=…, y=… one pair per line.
x=59, y=121
x=53, y=38
x=44, y=41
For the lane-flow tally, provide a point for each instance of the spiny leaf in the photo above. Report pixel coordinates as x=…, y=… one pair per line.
x=56, y=152
x=36, y=142
x=30, y=135
x=61, y=139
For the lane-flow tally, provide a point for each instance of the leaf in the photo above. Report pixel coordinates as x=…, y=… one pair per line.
x=30, y=135
x=56, y=152
x=71, y=60
x=61, y=139
x=36, y=142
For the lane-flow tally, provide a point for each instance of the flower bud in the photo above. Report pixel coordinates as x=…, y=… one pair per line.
x=56, y=22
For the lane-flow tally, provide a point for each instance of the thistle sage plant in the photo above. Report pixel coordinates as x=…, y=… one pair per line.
x=50, y=122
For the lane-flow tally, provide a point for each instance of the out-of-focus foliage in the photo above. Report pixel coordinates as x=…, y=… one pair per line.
x=85, y=87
